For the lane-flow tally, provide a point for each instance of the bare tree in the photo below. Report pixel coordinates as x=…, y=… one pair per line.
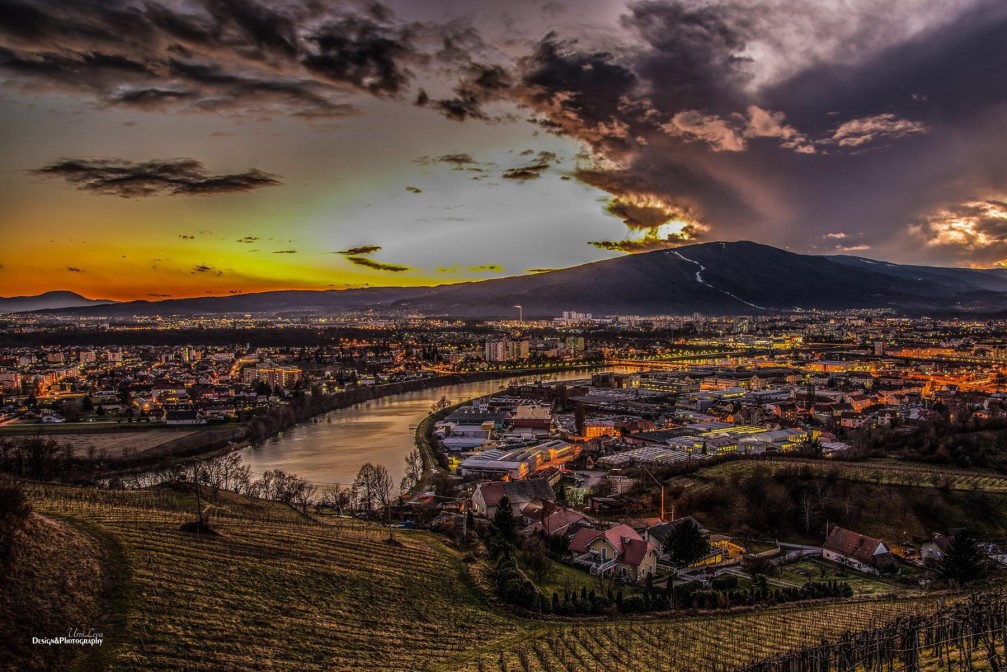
x=199, y=500
x=414, y=471
x=365, y=489
x=823, y=495
x=537, y=560
x=280, y=486
x=808, y=509
x=383, y=490
x=304, y=495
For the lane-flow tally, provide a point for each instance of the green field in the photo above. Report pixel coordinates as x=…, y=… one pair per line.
x=799, y=573
x=277, y=590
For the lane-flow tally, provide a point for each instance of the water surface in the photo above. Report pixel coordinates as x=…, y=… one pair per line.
x=379, y=431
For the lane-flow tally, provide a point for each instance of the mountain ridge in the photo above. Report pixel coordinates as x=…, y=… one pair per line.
x=54, y=300
x=740, y=277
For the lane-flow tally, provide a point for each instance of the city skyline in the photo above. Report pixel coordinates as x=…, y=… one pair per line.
x=185, y=149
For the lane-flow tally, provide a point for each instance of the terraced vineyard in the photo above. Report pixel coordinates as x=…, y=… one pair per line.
x=881, y=473
x=275, y=590
x=700, y=644
x=282, y=594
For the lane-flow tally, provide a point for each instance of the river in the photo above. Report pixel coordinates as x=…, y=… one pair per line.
x=332, y=449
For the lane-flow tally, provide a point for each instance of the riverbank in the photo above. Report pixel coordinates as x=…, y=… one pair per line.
x=275, y=420
x=424, y=441
x=199, y=442
x=332, y=449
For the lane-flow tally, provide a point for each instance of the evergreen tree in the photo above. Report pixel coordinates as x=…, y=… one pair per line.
x=504, y=520
x=686, y=544
x=964, y=561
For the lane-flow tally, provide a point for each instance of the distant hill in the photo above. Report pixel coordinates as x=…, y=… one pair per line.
x=721, y=278
x=289, y=302
x=961, y=279
x=712, y=278
x=48, y=301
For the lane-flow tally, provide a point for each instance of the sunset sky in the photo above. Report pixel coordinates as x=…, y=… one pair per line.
x=162, y=149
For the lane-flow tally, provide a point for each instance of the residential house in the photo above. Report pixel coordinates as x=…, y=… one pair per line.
x=552, y=519
x=618, y=551
x=852, y=420
x=935, y=548
x=865, y=554
x=182, y=417
x=520, y=493
x=859, y=402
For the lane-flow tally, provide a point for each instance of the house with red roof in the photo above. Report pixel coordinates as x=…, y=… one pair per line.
x=618, y=551
x=860, y=552
x=551, y=519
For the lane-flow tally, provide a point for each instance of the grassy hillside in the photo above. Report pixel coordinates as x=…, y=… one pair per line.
x=53, y=584
x=275, y=590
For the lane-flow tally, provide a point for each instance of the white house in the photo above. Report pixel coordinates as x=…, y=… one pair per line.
x=864, y=554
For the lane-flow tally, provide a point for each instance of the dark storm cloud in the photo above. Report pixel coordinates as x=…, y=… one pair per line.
x=300, y=58
x=532, y=171
x=254, y=25
x=360, y=52
x=458, y=161
x=487, y=268
x=285, y=252
x=694, y=53
x=74, y=269
x=481, y=84
x=577, y=92
x=151, y=97
x=525, y=173
x=867, y=136
x=377, y=265
x=779, y=120
x=922, y=119
x=360, y=250
x=945, y=74
x=414, y=190
x=248, y=239
x=163, y=177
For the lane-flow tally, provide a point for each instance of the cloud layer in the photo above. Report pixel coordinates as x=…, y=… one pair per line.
x=778, y=120
x=162, y=177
